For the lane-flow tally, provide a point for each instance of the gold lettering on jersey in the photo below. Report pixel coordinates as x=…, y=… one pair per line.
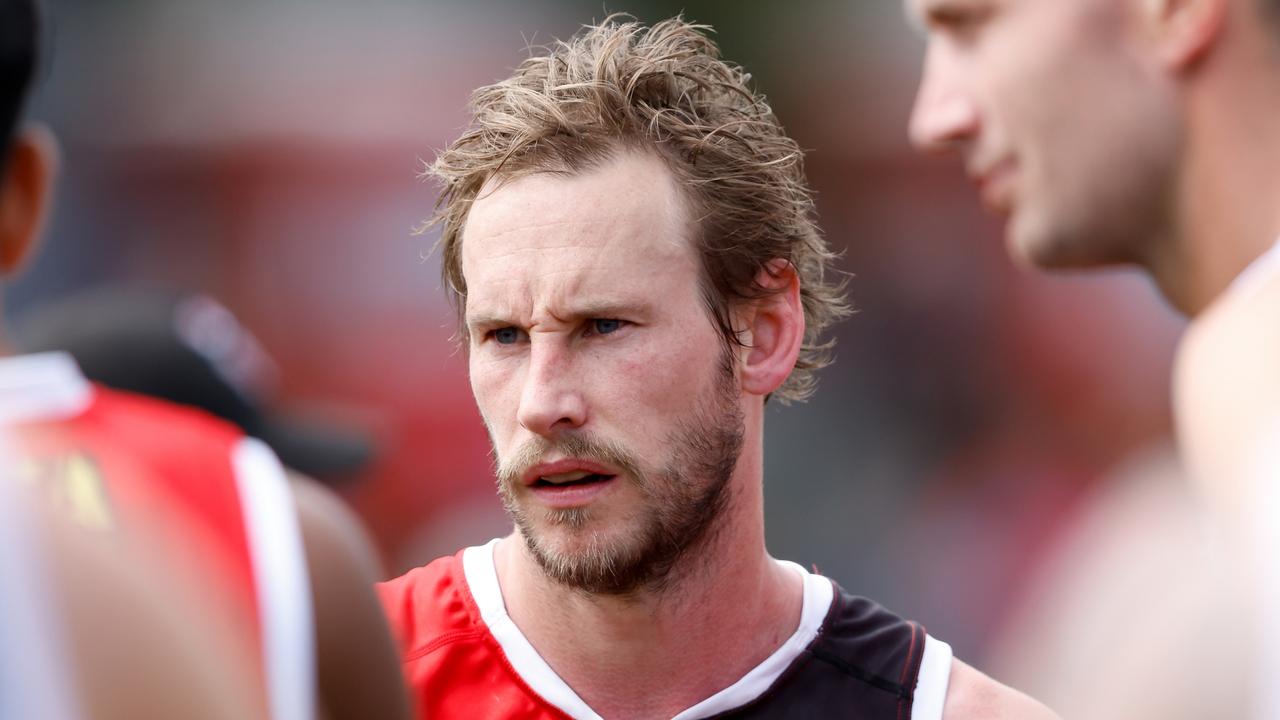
x=77, y=487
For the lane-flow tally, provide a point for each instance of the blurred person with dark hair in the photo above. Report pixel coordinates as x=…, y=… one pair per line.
x=277, y=575
x=1142, y=132
x=629, y=236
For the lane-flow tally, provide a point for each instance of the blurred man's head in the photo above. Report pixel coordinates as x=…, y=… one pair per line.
x=1101, y=128
x=28, y=157
x=1063, y=115
x=630, y=238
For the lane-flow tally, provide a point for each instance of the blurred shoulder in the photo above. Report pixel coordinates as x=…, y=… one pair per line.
x=1227, y=379
x=1239, y=331
x=972, y=695
x=332, y=532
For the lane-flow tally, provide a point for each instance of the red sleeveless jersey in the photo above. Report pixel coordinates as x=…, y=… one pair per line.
x=213, y=504
x=849, y=658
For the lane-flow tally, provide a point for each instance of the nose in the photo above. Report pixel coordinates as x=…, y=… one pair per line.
x=551, y=400
x=945, y=115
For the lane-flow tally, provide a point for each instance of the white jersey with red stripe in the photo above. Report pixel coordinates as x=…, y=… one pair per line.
x=216, y=503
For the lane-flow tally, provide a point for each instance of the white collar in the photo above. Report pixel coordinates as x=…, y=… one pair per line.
x=482, y=579
x=42, y=386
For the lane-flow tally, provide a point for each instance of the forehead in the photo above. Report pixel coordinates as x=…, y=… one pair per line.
x=606, y=226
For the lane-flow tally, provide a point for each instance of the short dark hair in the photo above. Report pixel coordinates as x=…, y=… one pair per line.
x=18, y=51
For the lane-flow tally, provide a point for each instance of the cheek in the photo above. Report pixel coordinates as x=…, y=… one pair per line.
x=666, y=376
x=493, y=386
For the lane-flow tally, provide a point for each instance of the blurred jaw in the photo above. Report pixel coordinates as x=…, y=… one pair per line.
x=1061, y=124
x=614, y=417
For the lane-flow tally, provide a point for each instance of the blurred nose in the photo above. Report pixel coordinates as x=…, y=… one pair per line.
x=551, y=401
x=945, y=116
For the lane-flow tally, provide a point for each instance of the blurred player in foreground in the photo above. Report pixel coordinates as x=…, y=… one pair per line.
x=1143, y=132
x=630, y=239
x=207, y=512
x=93, y=631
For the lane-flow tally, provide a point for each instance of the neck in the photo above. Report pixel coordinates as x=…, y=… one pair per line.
x=658, y=651
x=1229, y=197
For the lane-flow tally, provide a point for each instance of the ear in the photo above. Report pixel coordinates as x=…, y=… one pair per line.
x=1185, y=30
x=26, y=193
x=774, y=328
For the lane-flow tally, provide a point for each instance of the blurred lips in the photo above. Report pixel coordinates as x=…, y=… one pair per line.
x=995, y=185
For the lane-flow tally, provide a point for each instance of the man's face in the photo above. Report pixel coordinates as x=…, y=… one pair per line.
x=1061, y=116
x=610, y=400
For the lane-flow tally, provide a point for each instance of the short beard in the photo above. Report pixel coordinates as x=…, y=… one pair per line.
x=682, y=502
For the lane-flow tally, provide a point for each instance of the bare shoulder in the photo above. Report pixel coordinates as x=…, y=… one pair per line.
x=972, y=695
x=1226, y=386
x=358, y=665
x=332, y=533
x=1231, y=333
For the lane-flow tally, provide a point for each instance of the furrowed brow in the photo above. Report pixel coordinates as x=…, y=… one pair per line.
x=604, y=310
x=487, y=320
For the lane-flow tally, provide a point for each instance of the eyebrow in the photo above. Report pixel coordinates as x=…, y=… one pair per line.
x=586, y=311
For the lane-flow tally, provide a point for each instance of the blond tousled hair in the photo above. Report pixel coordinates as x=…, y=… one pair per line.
x=621, y=85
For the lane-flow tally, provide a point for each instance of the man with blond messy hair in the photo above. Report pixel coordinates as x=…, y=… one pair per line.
x=630, y=239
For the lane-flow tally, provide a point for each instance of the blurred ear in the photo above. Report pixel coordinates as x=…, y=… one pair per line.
x=775, y=330
x=1185, y=30
x=26, y=194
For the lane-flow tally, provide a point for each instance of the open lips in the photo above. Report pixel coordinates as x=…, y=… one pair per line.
x=570, y=471
x=573, y=478
x=569, y=483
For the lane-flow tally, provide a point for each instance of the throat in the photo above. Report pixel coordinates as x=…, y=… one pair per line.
x=657, y=654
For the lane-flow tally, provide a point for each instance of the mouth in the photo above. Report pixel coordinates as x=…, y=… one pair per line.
x=995, y=185
x=574, y=479
x=569, y=483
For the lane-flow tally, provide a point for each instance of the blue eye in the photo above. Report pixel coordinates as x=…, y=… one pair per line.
x=506, y=336
x=606, y=326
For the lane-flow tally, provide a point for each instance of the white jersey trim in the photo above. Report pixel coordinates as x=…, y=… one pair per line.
x=280, y=578
x=818, y=594
x=482, y=580
x=35, y=678
x=42, y=387
x=933, y=680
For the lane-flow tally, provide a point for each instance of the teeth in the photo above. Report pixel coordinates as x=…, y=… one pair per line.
x=565, y=477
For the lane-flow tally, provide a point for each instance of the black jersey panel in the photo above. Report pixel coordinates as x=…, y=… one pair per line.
x=862, y=666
